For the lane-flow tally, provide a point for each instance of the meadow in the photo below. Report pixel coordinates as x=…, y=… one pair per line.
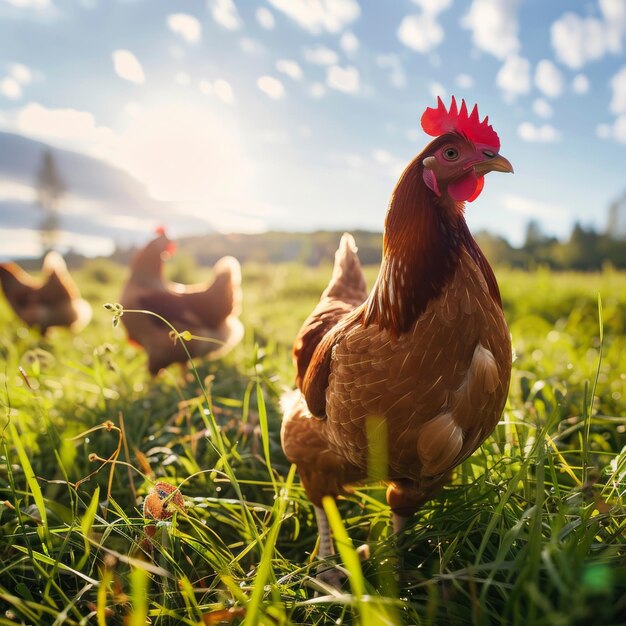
x=530, y=531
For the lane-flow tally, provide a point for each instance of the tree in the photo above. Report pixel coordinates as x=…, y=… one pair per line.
x=50, y=191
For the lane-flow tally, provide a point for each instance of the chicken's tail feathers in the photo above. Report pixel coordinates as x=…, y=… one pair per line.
x=83, y=312
x=54, y=262
x=227, y=282
x=58, y=283
x=10, y=272
x=289, y=400
x=347, y=279
x=228, y=266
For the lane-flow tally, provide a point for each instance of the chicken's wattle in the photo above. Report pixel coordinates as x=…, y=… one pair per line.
x=466, y=189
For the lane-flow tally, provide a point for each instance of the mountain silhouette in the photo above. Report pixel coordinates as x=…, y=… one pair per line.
x=101, y=199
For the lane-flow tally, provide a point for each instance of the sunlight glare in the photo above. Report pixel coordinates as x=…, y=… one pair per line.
x=186, y=154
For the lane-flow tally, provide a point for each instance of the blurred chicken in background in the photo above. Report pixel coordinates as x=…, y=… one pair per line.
x=207, y=310
x=52, y=300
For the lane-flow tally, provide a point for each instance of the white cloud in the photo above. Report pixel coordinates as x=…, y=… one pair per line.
x=542, y=108
x=397, y=76
x=580, y=84
x=494, y=26
x=10, y=88
x=271, y=87
x=382, y=156
x=318, y=90
x=464, y=81
x=353, y=161
x=183, y=79
x=549, y=79
x=321, y=55
x=13, y=190
x=420, y=32
x=290, y=68
x=542, y=134
x=533, y=208
x=616, y=131
x=578, y=40
x=187, y=26
x=514, y=77
x=618, y=84
x=437, y=90
x=177, y=52
x=70, y=127
x=614, y=11
x=221, y=88
x=318, y=16
x=128, y=67
x=619, y=129
x=392, y=165
x=265, y=18
x=21, y=73
x=28, y=4
x=225, y=13
x=349, y=42
x=205, y=87
x=251, y=46
x=345, y=79
x=433, y=6
x=224, y=91
x=133, y=109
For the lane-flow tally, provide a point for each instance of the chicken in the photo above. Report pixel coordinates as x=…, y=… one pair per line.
x=422, y=362
x=209, y=311
x=53, y=300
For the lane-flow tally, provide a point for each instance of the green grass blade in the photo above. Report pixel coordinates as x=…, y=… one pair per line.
x=29, y=474
x=265, y=435
x=371, y=612
x=264, y=571
x=139, y=597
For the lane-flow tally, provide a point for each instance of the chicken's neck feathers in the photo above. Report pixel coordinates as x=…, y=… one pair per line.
x=423, y=239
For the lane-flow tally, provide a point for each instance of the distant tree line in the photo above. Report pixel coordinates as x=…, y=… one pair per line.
x=585, y=249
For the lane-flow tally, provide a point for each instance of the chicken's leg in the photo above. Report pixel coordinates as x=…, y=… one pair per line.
x=327, y=573
x=326, y=548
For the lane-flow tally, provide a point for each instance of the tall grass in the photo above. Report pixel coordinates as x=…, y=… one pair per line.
x=530, y=531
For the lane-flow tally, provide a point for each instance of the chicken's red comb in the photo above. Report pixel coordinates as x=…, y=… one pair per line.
x=438, y=121
x=159, y=231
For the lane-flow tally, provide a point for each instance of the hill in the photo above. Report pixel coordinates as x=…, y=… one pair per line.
x=100, y=197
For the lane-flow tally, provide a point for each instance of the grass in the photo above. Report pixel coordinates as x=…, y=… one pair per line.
x=530, y=531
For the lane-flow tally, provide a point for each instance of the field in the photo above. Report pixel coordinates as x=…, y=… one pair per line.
x=531, y=530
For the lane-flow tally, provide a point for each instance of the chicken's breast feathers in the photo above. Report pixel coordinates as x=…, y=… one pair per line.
x=439, y=388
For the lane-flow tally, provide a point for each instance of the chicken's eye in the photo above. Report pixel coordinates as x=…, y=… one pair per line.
x=450, y=154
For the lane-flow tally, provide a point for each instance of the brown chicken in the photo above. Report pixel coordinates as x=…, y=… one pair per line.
x=53, y=300
x=209, y=310
x=426, y=356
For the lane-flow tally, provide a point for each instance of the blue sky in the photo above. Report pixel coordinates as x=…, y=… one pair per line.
x=300, y=114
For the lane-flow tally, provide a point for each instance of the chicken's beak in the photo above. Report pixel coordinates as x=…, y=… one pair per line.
x=493, y=164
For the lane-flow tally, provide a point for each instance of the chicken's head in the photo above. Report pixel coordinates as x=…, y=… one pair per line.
x=163, y=240
x=465, y=150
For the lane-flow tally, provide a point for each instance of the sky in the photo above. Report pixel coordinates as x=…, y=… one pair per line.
x=300, y=114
